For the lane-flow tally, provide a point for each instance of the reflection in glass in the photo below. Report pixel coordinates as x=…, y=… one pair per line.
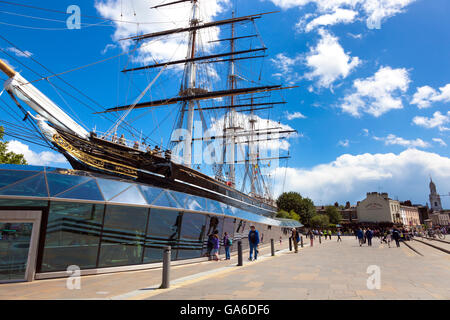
x=33, y=187
x=14, y=246
x=163, y=230
x=85, y=191
x=215, y=223
x=123, y=236
x=192, y=234
x=73, y=236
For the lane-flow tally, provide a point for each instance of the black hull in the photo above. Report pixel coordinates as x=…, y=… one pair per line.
x=106, y=158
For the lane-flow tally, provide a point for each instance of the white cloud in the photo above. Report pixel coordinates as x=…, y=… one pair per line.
x=394, y=140
x=355, y=36
x=440, y=141
x=328, y=61
x=378, y=94
x=438, y=120
x=154, y=20
x=20, y=54
x=344, y=143
x=339, y=16
x=44, y=158
x=425, y=96
x=286, y=67
x=374, y=11
x=366, y=132
x=349, y=177
x=295, y=115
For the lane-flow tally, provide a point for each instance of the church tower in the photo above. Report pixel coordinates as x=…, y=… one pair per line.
x=435, y=199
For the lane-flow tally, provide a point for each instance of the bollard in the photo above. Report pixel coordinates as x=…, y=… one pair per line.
x=272, y=246
x=239, y=248
x=166, y=268
x=301, y=241
x=320, y=239
x=290, y=244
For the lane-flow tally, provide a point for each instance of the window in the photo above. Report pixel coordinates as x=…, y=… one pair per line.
x=163, y=230
x=192, y=234
x=123, y=236
x=72, y=236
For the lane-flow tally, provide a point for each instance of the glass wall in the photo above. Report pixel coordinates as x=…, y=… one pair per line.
x=192, y=235
x=215, y=223
x=123, y=236
x=73, y=236
x=228, y=226
x=163, y=230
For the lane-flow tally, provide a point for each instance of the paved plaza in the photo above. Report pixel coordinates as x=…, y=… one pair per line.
x=329, y=270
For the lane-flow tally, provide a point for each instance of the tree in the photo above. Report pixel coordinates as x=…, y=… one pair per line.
x=293, y=201
x=283, y=214
x=333, y=214
x=320, y=221
x=9, y=157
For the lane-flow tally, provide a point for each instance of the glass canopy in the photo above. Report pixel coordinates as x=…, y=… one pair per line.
x=52, y=183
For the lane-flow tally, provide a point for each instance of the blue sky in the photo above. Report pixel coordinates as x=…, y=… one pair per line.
x=372, y=105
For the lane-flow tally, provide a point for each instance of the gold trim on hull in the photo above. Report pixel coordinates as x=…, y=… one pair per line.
x=94, y=161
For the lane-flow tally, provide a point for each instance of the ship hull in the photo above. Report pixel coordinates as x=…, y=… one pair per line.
x=104, y=157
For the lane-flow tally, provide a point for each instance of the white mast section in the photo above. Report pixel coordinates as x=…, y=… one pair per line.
x=36, y=100
x=191, y=83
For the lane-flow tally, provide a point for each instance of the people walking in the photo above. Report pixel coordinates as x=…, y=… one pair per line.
x=360, y=236
x=209, y=246
x=227, y=243
x=295, y=239
x=215, y=246
x=396, y=237
x=310, y=235
x=369, y=236
x=389, y=238
x=253, y=240
x=339, y=236
x=329, y=234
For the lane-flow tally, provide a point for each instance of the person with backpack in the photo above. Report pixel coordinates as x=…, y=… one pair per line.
x=295, y=239
x=253, y=240
x=339, y=236
x=227, y=243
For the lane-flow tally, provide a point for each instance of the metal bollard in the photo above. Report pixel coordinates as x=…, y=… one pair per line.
x=166, y=268
x=239, y=248
x=272, y=246
x=301, y=241
x=290, y=244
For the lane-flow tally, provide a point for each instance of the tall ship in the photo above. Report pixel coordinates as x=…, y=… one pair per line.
x=217, y=121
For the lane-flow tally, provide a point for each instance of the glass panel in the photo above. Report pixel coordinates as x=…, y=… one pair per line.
x=166, y=200
x=123, y=236
x=72, y=236
x=111, y=188
x=23, y=203
x=195, y=203
x=34, y=187
x=86, y=191
x=14, y=246
x=192, y=234
x=150, y=193
x=214, y=206
x=21, y=167
x=131, y=196
x=58, y=183
x=8, y=177
x=163, y=230
x=179, y=197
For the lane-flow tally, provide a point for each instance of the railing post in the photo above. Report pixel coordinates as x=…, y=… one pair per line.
x=239, y=248
x=166, y=268
x=272, y=247
x=290, y=244
x=301, y=241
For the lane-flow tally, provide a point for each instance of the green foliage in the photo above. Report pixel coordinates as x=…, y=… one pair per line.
x=293, y=201
x=294, y=216
x=9, y=157
x=320, y=221
x=334, y=214
x=283, y=214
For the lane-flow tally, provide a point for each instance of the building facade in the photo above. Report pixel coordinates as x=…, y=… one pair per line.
x=378, y=207
x=410, y=215
x=435, y=199
x=51, y=219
